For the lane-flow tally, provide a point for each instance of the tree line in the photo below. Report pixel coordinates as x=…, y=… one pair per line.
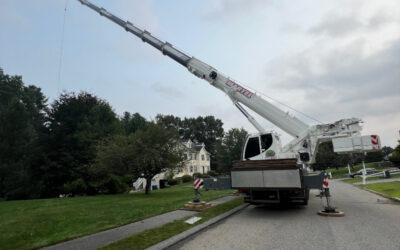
x=326, y=158
x=79, y=145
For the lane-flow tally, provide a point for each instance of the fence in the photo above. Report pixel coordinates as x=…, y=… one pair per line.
x=219, y=183
x=385, y=173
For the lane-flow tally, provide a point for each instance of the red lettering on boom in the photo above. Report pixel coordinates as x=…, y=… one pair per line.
x=240, y=89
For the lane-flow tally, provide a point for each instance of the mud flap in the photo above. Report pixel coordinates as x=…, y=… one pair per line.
x=314, y=181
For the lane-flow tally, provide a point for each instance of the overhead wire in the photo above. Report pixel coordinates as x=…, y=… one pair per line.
x=61, y=58
x=283, y=104
x=286, y=105
x=61, y=48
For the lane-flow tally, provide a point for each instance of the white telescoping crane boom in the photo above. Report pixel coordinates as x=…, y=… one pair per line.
x=287, y=123
x=306, y=138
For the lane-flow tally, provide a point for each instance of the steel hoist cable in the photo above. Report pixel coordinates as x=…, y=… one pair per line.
x=61, y=48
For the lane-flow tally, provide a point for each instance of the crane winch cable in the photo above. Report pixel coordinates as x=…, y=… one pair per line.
x=283, y=104
x=298, y=111
x=61, y=48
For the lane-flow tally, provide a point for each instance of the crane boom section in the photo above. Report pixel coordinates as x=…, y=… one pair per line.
x=164, y=47
x=265, y=109
x=235, y=91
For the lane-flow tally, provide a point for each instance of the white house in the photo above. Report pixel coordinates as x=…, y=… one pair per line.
x=197, y=161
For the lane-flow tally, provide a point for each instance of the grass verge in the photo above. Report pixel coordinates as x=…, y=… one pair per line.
x=153, y=236
x=32, y=224
x=388, y=188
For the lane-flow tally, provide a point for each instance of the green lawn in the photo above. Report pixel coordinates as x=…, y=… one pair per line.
x=343, y=172
x=36, y=223
x=153, y=236
x=389, y=188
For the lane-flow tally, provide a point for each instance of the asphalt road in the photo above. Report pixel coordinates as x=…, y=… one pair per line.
x=370, y=222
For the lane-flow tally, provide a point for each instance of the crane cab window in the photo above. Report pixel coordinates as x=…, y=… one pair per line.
x=266, y=141
x=252, y=147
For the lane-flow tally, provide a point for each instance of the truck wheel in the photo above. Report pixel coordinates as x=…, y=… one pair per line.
x=307, y=194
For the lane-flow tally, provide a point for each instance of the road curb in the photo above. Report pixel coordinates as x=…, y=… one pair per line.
x=382, y=194
x=179, y=237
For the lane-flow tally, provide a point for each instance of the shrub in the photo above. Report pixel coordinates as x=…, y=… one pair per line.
x=187, y=178
x=178, y=179
x=212, y=173
x=172, y=182
x=395, y=158
x=78, y=186
x=127, y=179
x=169, y=175
x=197, y=174
x=115, y=185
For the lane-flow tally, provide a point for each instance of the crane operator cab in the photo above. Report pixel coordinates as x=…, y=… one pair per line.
x=262, y=146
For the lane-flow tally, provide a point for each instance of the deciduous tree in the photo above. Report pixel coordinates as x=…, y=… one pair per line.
x=144, y=153
x=21, y=127
x=133, y=122
x=230, y=149
x=395, y=158
x=76, y=123
x=206, y=129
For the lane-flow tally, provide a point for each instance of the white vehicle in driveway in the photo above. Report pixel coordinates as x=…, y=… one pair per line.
x=360, y=172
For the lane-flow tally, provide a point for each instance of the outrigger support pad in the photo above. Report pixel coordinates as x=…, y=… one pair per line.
x=329, y=210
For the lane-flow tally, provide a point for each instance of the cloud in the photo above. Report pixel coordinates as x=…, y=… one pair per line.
x=344, y=72
x=289, y=27
x=9, y=16
x=228, y=9
x=140, y=13
x=334, y=25
x=167, y=91
x=367, y=16
x=344, y=77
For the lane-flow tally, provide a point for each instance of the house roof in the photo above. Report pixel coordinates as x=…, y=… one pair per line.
x=194, y=146
x=197, y=147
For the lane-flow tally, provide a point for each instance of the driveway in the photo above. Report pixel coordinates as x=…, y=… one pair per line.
x=370, y=222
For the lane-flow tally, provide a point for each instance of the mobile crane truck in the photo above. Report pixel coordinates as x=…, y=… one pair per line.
x=268, y=172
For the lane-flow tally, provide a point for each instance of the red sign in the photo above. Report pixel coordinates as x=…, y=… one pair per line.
x=247, y=93
x=374, y=140
x=325, y=182
x=198, y=183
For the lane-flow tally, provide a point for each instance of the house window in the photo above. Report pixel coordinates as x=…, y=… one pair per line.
x=203, y=170
x=195, y=168
x=202, y=157
x=188, y=156
x=191, y=169
x=194, y=156
x=208, y=157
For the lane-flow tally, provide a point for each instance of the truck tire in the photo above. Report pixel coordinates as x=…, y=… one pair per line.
x=307, y=194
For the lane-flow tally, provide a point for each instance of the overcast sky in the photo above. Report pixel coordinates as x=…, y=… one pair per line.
x=329, y=59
